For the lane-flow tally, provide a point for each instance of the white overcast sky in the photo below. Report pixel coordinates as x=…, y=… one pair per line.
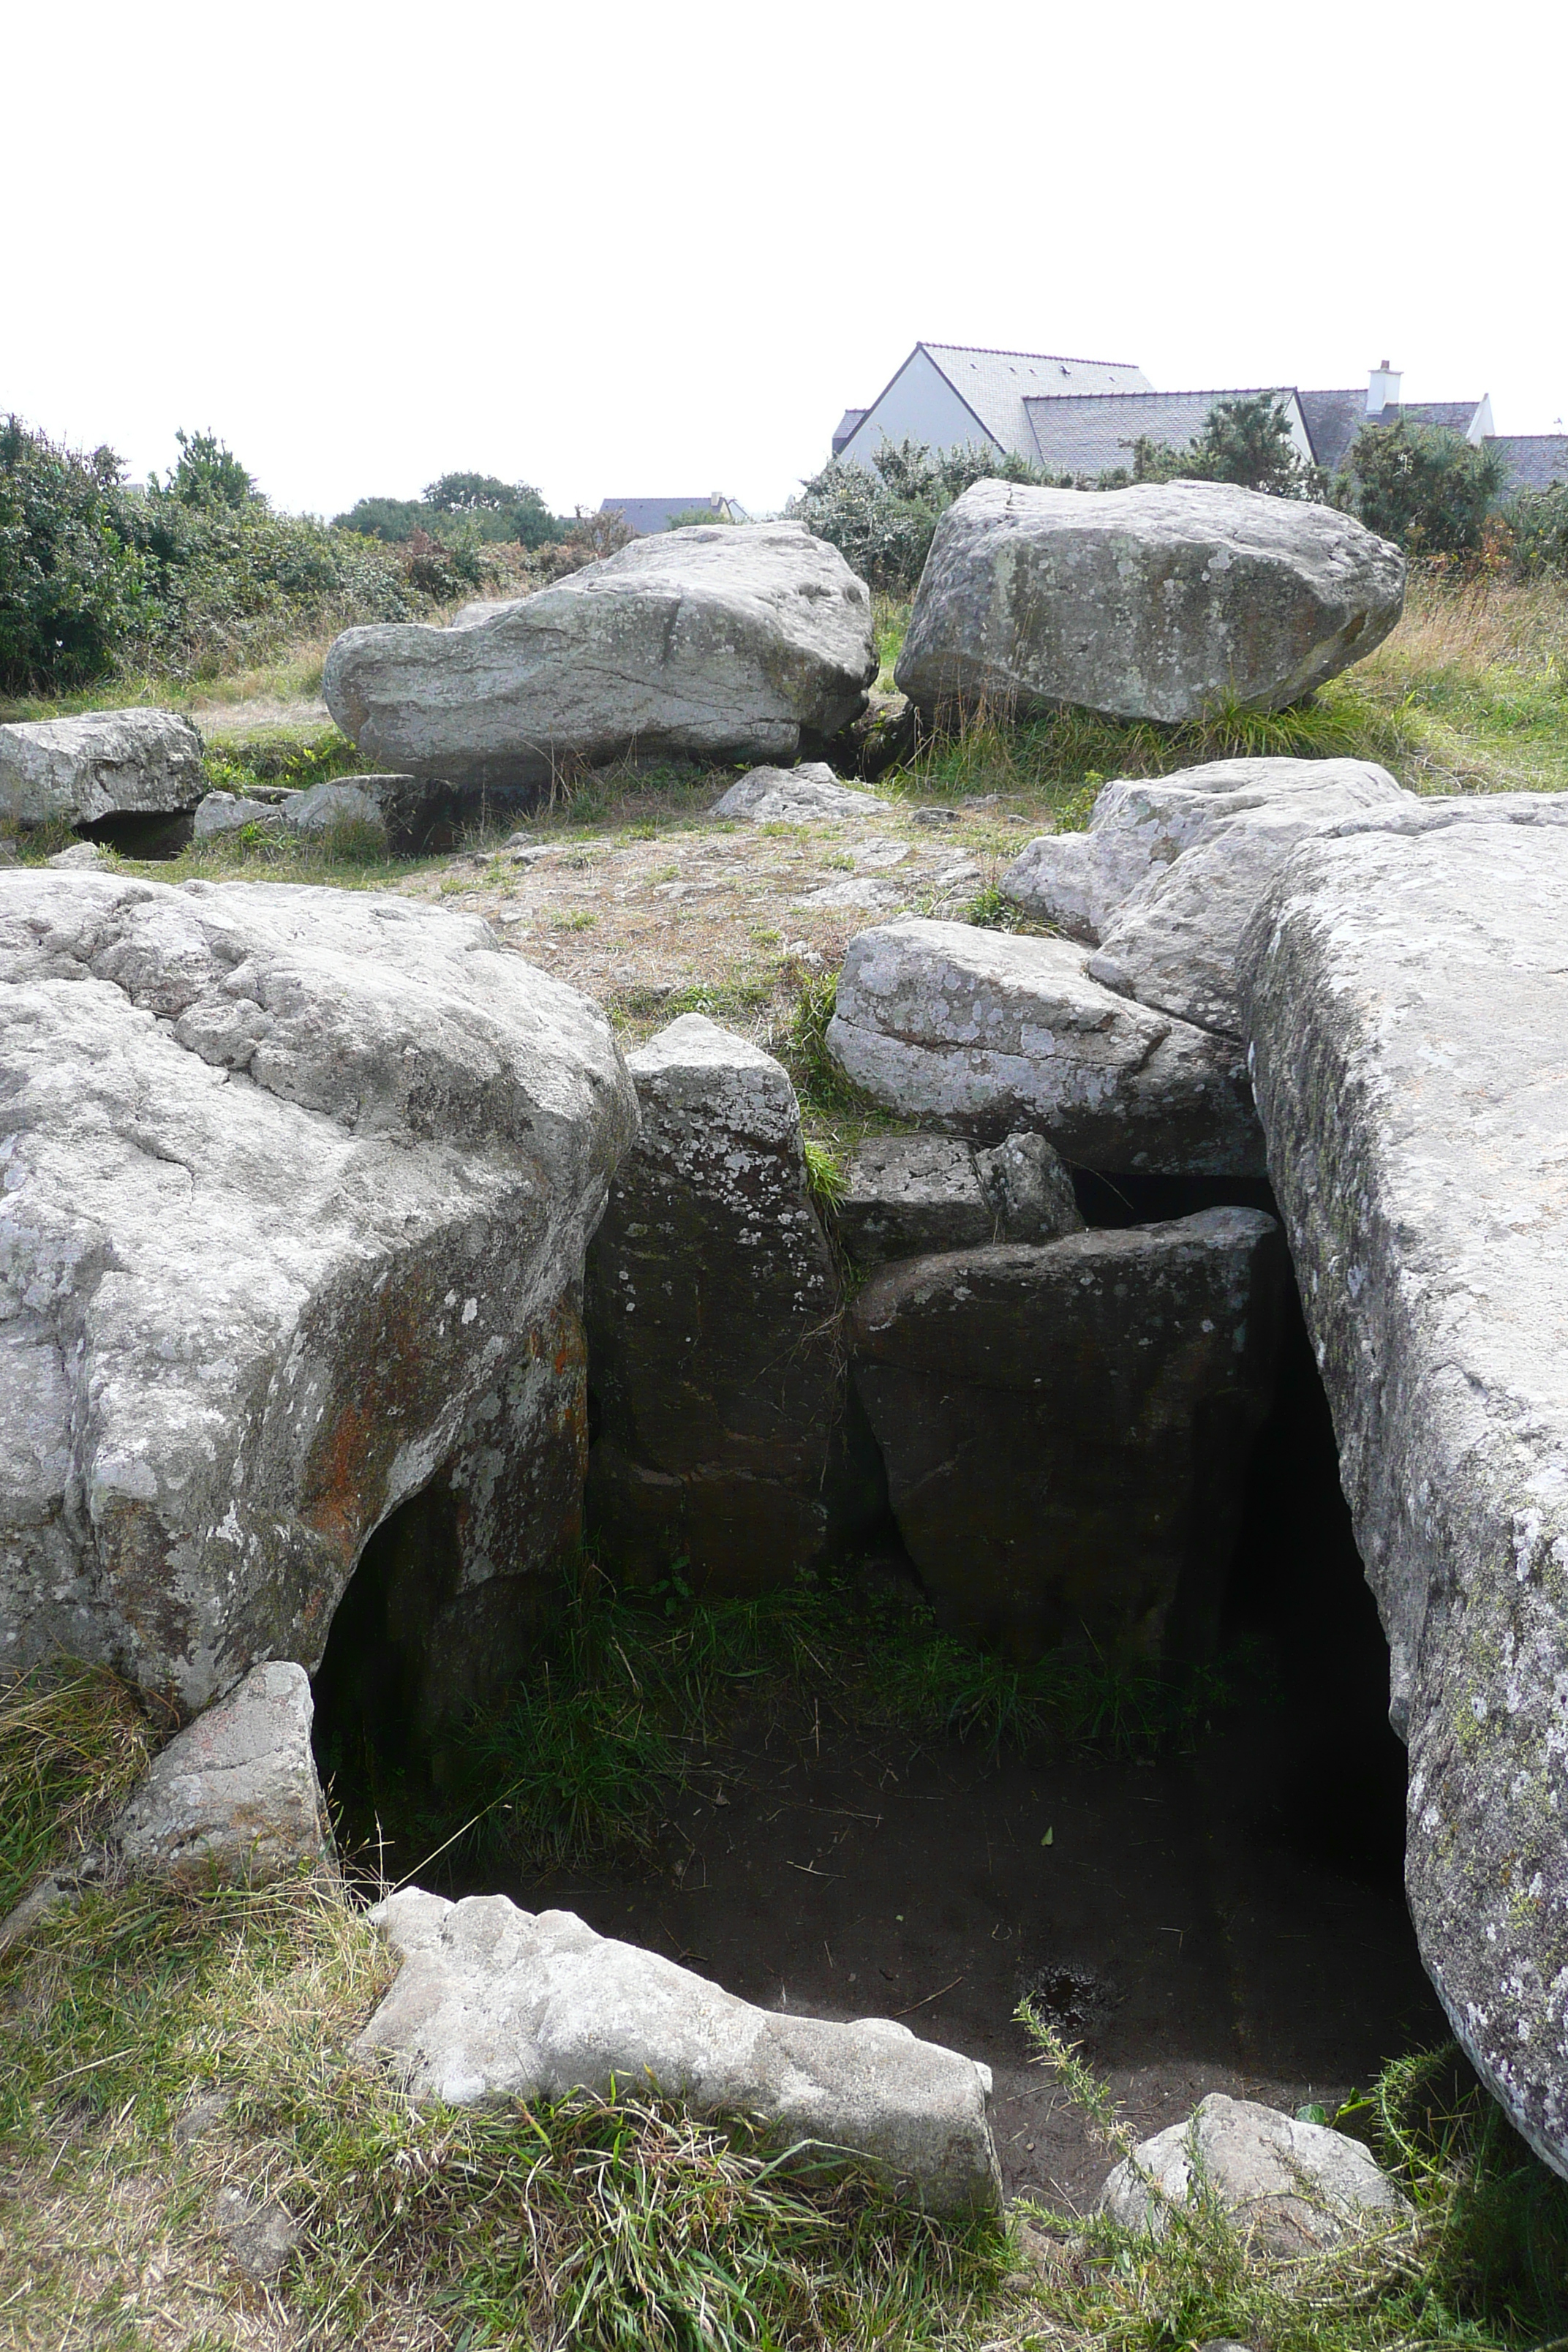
x=646, y=250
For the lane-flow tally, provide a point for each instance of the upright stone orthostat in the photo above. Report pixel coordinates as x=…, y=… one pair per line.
x=291, y=1177
x=1159, y=602
x=1407, y=993
x=1066, y=1427
x=728, y=642
x=711, y=1301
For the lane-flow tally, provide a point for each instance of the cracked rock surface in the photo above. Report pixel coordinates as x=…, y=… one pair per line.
x=288, y=1177
x=722, y=643
x=980, y=1031
x=495, y=2002
x=1407, y=993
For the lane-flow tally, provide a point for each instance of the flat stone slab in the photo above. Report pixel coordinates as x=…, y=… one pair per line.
x=106, y=763
x=1289, y=2188
x=982, y=1031
x=1406, y=994
x=906, y=1195
x=496, y=2002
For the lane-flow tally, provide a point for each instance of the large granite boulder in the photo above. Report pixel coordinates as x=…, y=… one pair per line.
x=711, y=1301
x=979, y=1032
x=1406, y=994
x=1166, y=874
x=1159, y=602
x=107, y=763
x=729, y=642
x=235, y=1795
x=1289, y=2188
x=495, y=2004
x=291, y=1176
x=1066, y=1427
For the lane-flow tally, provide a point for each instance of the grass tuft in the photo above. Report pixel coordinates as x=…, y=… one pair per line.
x=73, y=1743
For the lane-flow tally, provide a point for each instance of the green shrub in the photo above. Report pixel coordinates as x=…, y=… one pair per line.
x=1246, y=441
x=491, y=511
x=1538, y=523
x=71, y=583
x=882, y=523
x=1424, y=486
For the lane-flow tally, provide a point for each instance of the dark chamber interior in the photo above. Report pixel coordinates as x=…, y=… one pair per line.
x=1231, y=1919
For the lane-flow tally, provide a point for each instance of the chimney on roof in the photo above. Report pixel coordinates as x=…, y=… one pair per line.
x=1382, y=388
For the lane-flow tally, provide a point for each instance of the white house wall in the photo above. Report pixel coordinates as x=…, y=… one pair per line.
x=919, y=404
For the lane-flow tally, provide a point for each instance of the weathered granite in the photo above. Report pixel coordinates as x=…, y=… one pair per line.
x=809, y=794
x=711, y=1299
x=1289, y=2188
x=1066, y=1427
x=235, y=1795
x=494, y=2002
x=289, y=1177
x=1158, y=601
x=724, y=642
x=1407, y=993
x=105, y=763
x=982, y=1031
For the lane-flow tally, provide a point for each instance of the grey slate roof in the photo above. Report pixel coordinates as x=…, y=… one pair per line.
x=995, y=385
x=647, y=516
x=1089, y=435
x=1334, y=418
x=845, y=425
x=1534, y=460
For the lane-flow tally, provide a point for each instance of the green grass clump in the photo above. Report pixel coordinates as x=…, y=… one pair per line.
x=1482, y=2262
x=73, y=1742
x=609, y=2224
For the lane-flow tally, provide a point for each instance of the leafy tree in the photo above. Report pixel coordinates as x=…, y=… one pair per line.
x=1423, y=486
x=393, y=519
x=208, y=474
x=71, y=586
x=1246, y=441
x=501, y=510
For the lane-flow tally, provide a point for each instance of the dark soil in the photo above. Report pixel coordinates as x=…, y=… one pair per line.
x=1171, y=1925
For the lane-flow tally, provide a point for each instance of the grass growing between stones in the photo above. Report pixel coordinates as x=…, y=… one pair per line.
x=633, y=1698
x=73, y=1742
x=157, y=2050
x=1482, y=2261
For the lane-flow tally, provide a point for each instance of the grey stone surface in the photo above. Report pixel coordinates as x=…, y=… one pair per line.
x=982, y=1031
x=1407, y=993
x=1172, y=943
x=723, y=643
x=1158, y=601
x=235, y=1795
x=1140, y=826
x=338, y=807
x=711, y=1296
x=805, y=795
x=106, y=763
x=1029, y=1189
x=222, y=812
x=80, y=858
x=260, y=2237
x=1289, y=2188
x=291, y=1176
x=1066, y=1427
x=492, y=2001
x=907, y=1195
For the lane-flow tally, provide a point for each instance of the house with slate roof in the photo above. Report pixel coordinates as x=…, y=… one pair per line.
x=1083, y=416
x=643, y=517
